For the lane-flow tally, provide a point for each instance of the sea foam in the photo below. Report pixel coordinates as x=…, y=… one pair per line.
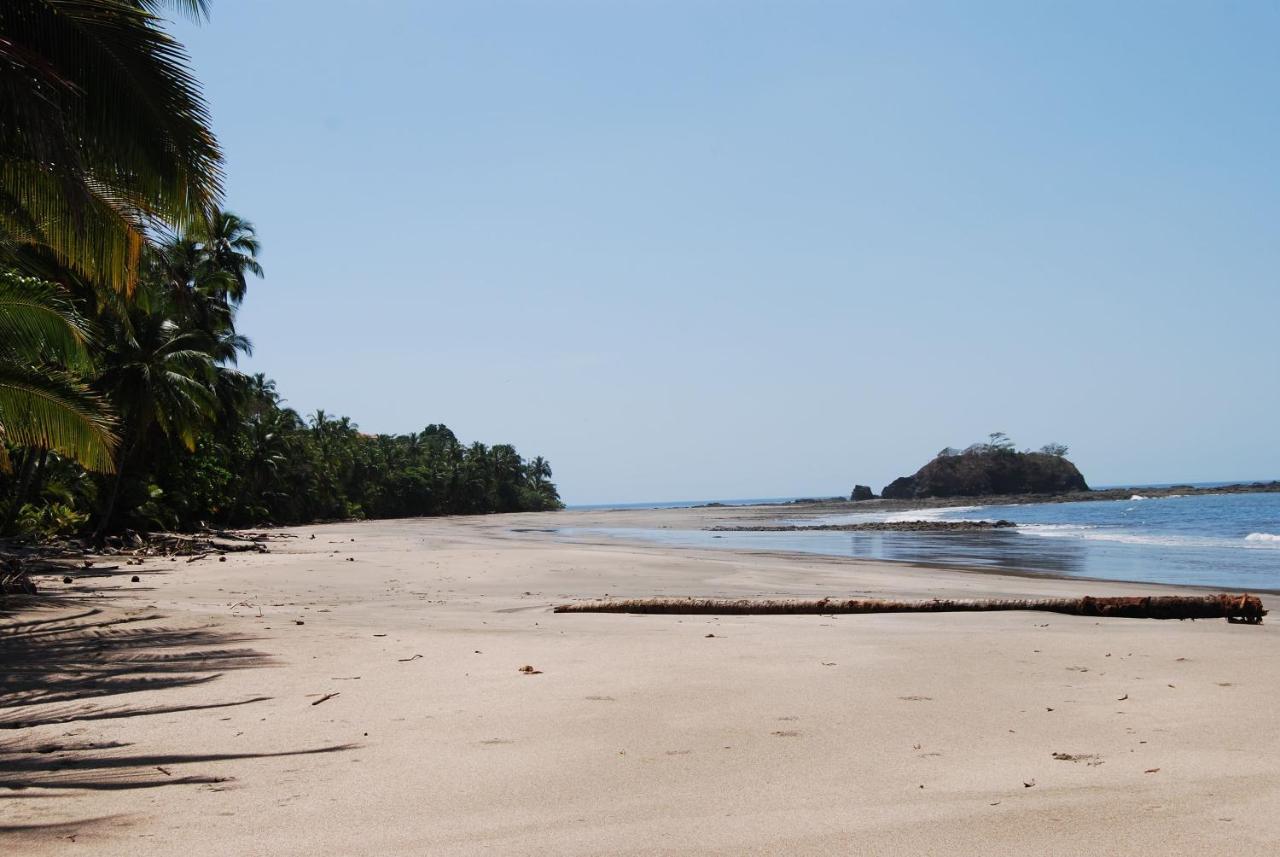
x=1262, y=537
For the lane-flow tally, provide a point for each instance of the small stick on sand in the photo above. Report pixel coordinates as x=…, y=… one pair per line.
x=325, y=698
x=1246, y=609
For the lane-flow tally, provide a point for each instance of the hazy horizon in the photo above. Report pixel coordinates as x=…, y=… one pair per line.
x=707, y=250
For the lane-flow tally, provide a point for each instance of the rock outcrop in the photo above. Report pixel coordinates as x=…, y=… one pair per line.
x=988, y=472
x=862, y=492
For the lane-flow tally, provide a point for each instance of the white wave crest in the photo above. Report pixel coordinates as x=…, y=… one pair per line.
x=1263, y=537
x=1095, y=534
x=940, y=514
x=1137, y=497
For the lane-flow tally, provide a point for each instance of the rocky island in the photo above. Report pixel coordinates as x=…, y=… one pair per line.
x=988, y=469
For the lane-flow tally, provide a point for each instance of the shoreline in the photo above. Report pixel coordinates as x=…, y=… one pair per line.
x=940, y=568
x=364, y=692
x=751, y=529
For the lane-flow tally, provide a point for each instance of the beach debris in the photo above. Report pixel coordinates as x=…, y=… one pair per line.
x=406, y=660
x=14, y=579
x=709, y=636
x=1151, y=771
x=1091, y=758
x=1243, y=609
x=527, y=669
x=66, y=580
x=1122, y=698
x=299, y=622
x=327, y=697
x=135, y=579
x=1026, y=784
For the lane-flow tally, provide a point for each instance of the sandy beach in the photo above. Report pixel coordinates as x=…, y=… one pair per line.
x=359, y=691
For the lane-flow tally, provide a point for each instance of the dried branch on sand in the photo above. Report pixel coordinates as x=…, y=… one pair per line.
x=1245, y=609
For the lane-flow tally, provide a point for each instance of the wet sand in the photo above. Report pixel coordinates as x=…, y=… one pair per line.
x=361, y=693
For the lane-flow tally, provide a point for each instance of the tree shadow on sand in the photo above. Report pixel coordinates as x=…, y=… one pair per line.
x=62, y=663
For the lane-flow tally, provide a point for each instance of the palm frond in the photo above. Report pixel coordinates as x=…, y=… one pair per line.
x=37, y=320
x=102, y=127
x=49, y=410
x=197, y=10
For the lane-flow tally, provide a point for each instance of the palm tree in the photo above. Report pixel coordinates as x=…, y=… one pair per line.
x=103, y=131
x=539, y=471
x=230, y=244
x=160, y=376
x=43, y=405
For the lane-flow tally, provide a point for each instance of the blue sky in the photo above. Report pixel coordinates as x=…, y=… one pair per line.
x=708, y=249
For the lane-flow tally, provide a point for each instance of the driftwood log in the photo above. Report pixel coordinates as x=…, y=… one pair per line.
x=1246, y=609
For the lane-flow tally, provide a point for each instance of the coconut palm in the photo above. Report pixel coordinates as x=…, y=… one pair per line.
x=230, y=244
x=103, y=131
x=161, y=376
x=43, y=405
x=539, y=471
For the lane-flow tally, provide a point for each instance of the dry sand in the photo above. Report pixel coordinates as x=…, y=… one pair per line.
x=178, y=716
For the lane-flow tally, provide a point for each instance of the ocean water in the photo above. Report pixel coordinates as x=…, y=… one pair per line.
x=680, y=504
x=1227, y=540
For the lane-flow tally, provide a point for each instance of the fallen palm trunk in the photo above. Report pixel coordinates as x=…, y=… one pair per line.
x=1245, y=609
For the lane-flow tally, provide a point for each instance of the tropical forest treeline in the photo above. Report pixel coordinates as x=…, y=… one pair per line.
x=120, y=278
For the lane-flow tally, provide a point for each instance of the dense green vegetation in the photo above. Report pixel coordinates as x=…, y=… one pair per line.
x=120, y=277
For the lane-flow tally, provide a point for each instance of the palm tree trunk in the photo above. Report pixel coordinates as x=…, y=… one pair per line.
x=20, y=490
x=125, y=455
x=1247, y=609
x=41, y=473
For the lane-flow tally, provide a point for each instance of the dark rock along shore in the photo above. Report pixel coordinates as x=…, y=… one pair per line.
x=874, y=526
x=988, y=472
